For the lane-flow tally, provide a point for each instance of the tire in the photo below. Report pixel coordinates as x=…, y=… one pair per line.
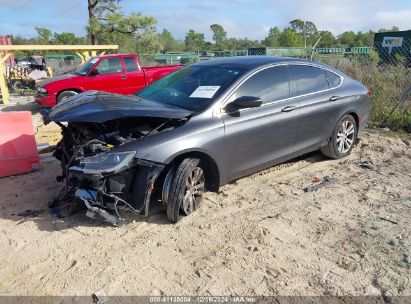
x=64, y=95
x=16, y=86
x=343, y=138
x=187, y=186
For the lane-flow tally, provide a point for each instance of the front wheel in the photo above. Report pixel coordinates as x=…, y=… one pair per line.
x=65, y=95
x=343, y=139
x=187, y=186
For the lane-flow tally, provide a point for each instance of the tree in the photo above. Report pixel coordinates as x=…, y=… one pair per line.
x=348, y=38
x=96, y=9
x=219, y=36
x=43, y=35
x=169, y=43
x=393, y=29
x=366, y=39
x=272, y=40
x=289, y=38
x=304, y=28
x=133, y=32
x=67, y=38
x=327, y=39
x=194, y=41
x=134, y=24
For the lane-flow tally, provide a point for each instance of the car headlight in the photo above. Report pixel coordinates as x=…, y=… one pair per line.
x=41, y=90
x=106, y=163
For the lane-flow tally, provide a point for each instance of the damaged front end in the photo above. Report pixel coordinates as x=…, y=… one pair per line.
x=108, y=182
x=96, y=173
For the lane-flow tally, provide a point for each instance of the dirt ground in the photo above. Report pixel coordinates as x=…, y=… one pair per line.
x=261, y=235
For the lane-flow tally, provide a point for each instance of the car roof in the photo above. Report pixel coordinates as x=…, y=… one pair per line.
x=249, y=62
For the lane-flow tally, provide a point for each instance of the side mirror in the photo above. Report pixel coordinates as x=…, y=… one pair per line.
x=94, y=72
x=244, y=102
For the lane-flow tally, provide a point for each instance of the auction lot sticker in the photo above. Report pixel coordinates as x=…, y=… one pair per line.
x=204, y=92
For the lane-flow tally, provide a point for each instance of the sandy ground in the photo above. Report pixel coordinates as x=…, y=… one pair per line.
x=261, y=235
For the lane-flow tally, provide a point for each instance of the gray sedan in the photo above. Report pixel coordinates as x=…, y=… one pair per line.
x=199, y=128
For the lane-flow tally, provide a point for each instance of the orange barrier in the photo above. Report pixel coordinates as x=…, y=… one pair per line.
x=18, y=152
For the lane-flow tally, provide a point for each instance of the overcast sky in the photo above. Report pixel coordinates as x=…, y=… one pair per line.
x=240, y=18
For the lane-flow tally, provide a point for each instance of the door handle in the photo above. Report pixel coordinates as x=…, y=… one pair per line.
x=123, y=77
x=334, y=98
x=288, y=109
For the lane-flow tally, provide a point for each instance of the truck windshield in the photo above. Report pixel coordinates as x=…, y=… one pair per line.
x=85, y=68
x=192, y=88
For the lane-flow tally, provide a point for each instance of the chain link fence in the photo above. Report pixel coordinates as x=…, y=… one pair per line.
x=387, y=72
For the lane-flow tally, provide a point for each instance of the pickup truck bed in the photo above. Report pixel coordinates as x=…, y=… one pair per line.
x=156, y=72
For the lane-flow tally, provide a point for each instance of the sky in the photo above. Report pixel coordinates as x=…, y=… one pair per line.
x=240, y=18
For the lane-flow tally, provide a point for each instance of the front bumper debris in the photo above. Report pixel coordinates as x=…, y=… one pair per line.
x=104, y=195
x=88, y=197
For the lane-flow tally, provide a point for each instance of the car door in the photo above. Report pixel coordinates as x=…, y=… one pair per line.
x=256, y=138
x=135, y=79
x=108, y=75
x=311, y=89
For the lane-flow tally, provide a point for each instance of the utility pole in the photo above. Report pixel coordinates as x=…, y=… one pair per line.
x=305, y=33
x=91, y=15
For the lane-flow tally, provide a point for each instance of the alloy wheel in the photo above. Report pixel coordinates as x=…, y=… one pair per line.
x=345, y=136
x=194, y=191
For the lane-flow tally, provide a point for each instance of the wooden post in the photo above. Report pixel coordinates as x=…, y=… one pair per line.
x=3, y=80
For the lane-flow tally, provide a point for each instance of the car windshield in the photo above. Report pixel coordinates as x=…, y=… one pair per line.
x=192, y=88
x=85, y=68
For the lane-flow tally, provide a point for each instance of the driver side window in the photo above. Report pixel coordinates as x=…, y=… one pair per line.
x=109, y=66
x=270, y=85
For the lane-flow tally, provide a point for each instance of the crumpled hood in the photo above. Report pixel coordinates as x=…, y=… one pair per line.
x=56, y=78
x=96, y=106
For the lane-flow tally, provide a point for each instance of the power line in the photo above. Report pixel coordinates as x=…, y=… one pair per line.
x=16, y=8
x=66, y=10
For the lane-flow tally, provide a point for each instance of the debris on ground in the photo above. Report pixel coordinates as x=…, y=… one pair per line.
x=388, y=220
x=367, y=165
x=407, y=142
x=384, y=129
x=29, y=213
x=318, y=184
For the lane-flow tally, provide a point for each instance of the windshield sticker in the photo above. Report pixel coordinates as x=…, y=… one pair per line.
x=204, y=92
x=94, y=60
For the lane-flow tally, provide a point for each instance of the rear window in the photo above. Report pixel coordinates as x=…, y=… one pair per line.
x=130, y=63
x=308, y=79
x=333, y=79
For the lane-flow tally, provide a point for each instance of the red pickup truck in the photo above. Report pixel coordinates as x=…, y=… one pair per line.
x=119, y=73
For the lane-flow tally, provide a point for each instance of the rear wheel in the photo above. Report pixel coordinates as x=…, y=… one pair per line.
x=187, y=186
x=343, y=139
x=64, y=95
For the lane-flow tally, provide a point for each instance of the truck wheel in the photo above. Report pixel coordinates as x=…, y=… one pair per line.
x=343, y=138
x=16, y=86
x=187, y=187
x=64, y=95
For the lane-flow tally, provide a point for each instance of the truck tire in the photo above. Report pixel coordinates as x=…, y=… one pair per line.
x=16, y=86
x=343, y=138
x=64, y=95
x=186, y=190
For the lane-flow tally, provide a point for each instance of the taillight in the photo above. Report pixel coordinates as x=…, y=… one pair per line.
x=369, y=92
